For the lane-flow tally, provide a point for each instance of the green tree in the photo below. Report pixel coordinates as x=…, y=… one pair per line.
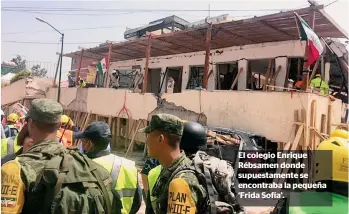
x=18, y=60
x=37, y=71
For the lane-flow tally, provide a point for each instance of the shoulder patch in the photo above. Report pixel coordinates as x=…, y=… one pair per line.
x=180, y=199
x=12, y=188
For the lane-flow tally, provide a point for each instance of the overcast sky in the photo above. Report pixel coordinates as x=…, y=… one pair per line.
x=18, y=27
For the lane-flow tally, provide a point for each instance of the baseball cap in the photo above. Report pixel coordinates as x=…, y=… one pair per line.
x=165, y=122
x=97, y=132
x=45, y=111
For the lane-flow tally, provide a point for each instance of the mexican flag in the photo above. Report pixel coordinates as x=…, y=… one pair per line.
x=103, y=65
x=315, y=48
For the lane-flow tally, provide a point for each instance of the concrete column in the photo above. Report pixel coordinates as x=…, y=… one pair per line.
x=185, y=76
x=211, y=85
x=280, y=79
x=242, y=80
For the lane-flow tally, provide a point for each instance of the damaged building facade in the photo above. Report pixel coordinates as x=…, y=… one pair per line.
x=244, y=66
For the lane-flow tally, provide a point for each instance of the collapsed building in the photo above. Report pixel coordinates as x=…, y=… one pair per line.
x=244, y=66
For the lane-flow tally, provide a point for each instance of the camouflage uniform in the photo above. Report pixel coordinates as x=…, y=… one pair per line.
x=20, y=177
x=175, y=193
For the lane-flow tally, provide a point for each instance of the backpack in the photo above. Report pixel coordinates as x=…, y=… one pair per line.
x=219, y=178
x=72, y=183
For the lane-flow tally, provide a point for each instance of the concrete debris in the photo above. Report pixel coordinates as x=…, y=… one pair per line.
x=215, y=138
x=164, y=106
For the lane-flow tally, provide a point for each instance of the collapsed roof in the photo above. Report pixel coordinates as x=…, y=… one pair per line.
x=269, y=28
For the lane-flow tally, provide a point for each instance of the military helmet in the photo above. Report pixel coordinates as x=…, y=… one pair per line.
x=194, y=137
x=339, y=164
x=340, y=133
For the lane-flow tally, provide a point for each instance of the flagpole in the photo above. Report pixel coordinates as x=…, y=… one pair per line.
x=305, y=73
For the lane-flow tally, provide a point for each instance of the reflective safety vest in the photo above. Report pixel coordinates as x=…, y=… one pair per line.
x=125, y=178
x=9, y=146
x=153, y=176
x=320, y=85
x=339, y=205
x=67, y=139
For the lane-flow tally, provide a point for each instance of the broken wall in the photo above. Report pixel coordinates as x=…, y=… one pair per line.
x=13, y=92
x=270, y=114
x=25, y=88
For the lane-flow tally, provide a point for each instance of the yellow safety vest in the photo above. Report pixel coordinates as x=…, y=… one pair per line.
x=152, y=178
x=319, y=84
x=125, y=177
x=9, y=146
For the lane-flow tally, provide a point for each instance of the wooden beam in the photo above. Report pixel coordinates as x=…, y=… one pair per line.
x=293, y=146
x=236, y=35
x=273, y=81
x=182, y=46
x=114, y=52
x=323, y=123
x=207, y=56
x=312, y=124
x=318, y=134
x=314, y=69
x=329, y=119
x=278, y=30
x=165, y=52
x=146, y=68
x=236, y=79
x=266, y=81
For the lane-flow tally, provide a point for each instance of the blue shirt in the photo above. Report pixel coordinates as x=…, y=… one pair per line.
x=149, y=164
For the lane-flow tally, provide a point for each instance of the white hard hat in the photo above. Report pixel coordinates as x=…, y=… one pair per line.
x=114, y=71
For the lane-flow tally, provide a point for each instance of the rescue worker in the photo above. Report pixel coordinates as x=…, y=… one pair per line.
x=194, y=139
x=163, y=142
x=299, y=83
x=95, y=140
x=82, y=83
x=319, y=85
x=336, y=182
x=149, y=164
x=23, y=184
x=71, y=81
x=10, y=129
x=114, y=79
x=3, y=135
x=66, y=131
x=23, y=142
x=9, y=146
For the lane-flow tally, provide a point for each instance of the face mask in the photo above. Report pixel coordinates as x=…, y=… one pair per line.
x=81, y=149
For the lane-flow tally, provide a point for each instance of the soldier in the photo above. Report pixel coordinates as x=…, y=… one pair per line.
x=194, y=138
x=174, y=193
x=49, y=178
x=22, y=142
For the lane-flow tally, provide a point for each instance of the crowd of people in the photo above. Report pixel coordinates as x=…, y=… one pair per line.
x=44, y=170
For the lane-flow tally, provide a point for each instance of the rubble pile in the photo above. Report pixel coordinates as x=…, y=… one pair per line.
x=222, y=139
